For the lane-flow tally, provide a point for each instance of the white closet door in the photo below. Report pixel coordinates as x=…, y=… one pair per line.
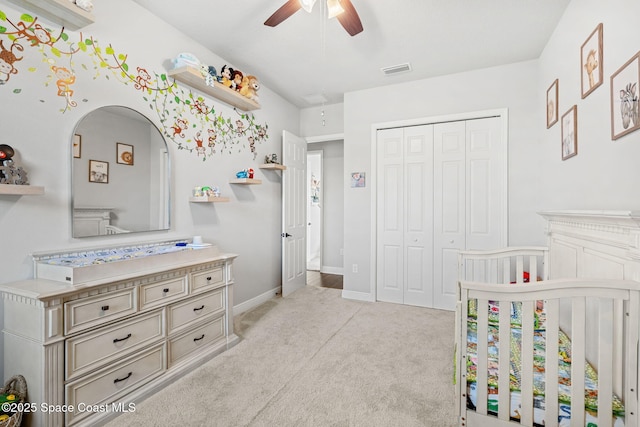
x=390, y=229
x=486, y=184
x=448, y=209
x=405, y=215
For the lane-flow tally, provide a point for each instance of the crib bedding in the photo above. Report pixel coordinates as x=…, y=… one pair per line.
x=564, y=368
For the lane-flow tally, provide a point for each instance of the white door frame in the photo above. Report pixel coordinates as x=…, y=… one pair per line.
x=320, y=226
x=503, y=113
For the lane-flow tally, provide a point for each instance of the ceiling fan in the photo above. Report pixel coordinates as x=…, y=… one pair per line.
x=341, y=9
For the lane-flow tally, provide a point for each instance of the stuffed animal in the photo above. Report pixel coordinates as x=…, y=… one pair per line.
x=250, y=87
x=236, y=80
x=225, y=75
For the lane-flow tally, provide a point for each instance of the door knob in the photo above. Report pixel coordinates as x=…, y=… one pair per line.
x=286, y=235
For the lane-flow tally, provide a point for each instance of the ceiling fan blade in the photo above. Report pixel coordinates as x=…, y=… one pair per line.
x=349, y=19
x=285, y=11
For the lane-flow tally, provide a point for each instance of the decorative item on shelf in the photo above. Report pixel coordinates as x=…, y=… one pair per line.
x=271, y=158
x=250, y=87
x=9, y=173
x=236, y=80
x=242, y=174
x=85, y=5
x=186, y=60
x=211, y=191
x=225, y=75
x=250, y=172
x=210, y=74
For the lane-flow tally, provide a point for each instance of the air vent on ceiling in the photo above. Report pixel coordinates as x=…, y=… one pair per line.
x=396, y=69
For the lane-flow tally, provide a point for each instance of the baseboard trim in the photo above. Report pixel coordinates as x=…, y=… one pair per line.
x=256, y=301
x=332, y=270
x=359, y=296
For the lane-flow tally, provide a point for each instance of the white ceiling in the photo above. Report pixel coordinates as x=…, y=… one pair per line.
x=308, y=55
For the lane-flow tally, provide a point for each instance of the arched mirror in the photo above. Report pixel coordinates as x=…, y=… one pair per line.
x=120, y=174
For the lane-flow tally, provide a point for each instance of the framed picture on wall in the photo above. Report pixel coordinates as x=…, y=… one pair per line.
x=77, y=145
x=98, y=171
x=124, y=154
x=570, y=133
x=552, y=104
x=591, y=75
x=625, y=84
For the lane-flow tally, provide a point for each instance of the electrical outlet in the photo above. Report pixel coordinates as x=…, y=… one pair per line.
x=354, y=268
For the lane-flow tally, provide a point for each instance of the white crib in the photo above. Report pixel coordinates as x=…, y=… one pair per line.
x=515, y=373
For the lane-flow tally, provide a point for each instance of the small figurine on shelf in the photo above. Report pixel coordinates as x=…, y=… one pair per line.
x=212, y=191
x=225, y=75
x=250, y=87
x=242, y=174
x=271, y=158
x=9, y=174
x=236, y=80
x=250, y=172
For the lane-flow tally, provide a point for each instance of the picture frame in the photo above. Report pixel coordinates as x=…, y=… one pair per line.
x=591, y=66
x=124, y=154
x=358, y=179
x=98, y=171
x=77, y=145
x=625, y=85
x=570, y=133
x=552, y=104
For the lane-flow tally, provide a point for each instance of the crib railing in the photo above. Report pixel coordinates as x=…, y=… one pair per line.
x=508, y=265
x=617, y=304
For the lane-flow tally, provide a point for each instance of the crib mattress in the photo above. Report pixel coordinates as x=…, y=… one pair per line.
x=539, y=357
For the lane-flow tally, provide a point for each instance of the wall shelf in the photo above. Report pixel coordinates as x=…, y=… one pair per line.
x=273, y=166
x=61, y=12
x=246, y=181
x=29, y=190
x=192, y=77
x=208, y=199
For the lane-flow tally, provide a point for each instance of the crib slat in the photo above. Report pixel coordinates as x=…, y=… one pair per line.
x=506, y=271
x=519, y=269
x=552, y=309
x=533, y=268
x=481, y=374
x=504, y=356
x=526, y=380
x=605, y=363
x=578, y=340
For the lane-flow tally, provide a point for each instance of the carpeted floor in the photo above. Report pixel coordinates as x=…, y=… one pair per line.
x=316, y=359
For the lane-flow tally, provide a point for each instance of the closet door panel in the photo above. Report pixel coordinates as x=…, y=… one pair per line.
x=390, y=222
x=486, y=184
x=449, y=209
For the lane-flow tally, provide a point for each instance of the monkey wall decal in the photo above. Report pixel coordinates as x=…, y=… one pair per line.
x=143, y=80
x=179, y=127
x=7, y=60
x=64, y=82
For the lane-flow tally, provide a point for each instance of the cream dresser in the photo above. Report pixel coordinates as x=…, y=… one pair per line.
x=99, y=330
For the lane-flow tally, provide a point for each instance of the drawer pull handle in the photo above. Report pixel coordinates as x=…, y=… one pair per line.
x=115, y=340
x=199, y=308
x=117, y=380
x=165, y=290
x=198, y=339
x=104, y=308
x=209, y=278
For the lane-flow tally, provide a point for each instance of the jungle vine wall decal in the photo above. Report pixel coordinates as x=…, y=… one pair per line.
x=187, y=119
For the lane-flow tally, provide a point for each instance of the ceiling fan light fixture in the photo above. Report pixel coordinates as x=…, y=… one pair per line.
x=307, y=5
x=334, y=8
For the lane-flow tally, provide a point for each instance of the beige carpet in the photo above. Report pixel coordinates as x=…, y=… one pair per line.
x=316, y=359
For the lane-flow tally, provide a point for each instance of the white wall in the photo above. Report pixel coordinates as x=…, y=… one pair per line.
x=322, y=120
x=35, y=124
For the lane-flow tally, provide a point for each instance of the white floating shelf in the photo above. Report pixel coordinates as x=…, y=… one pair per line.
x=28, y=190
x=192, y=77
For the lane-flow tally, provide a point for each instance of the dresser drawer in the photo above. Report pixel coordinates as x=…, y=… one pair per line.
x=88, y=312
x=110, y=383
x=159, y=293
x=180, y=314
x=184, y=345
x=91, y=350
x=207, y=279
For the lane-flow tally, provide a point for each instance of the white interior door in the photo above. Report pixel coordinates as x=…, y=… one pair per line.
x=405, y=215
x=294, y=215
x=315, y=205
